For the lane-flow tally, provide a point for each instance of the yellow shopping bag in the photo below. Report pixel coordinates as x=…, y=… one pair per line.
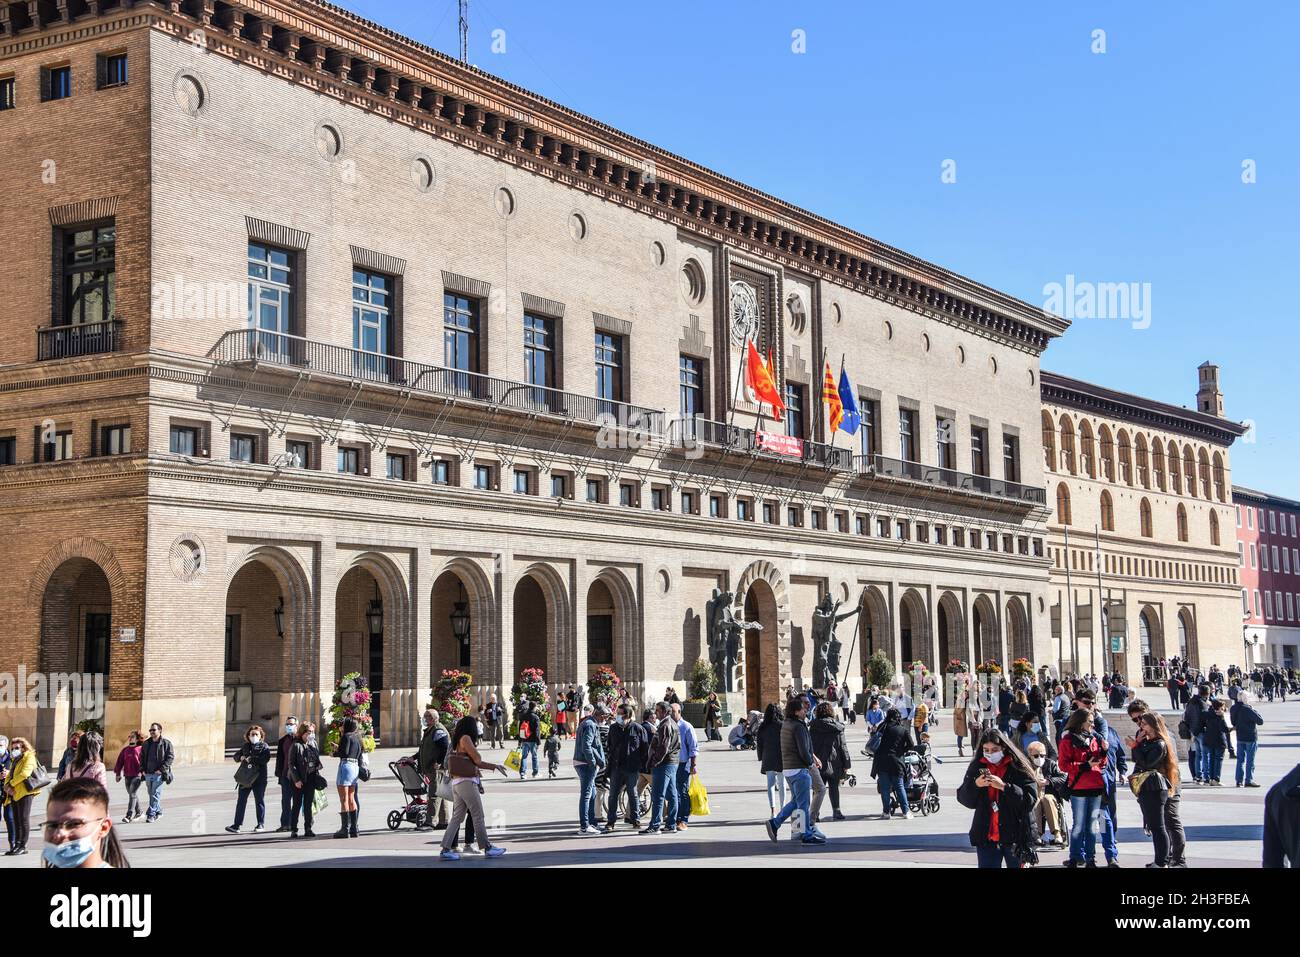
x=515, y=760
x=699, y=797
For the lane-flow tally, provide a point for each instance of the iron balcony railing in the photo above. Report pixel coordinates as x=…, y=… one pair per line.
x=827, y=456
x=86, y=339
x=274, y=348
x=721, y=435
x=963, y=481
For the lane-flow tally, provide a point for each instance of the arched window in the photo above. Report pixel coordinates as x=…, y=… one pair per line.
x=1182, y=523
x=1189, y=470
x=1107, y=454
x=1049, y=442
x=1125, y=459
x=1140, y=453
x=1175, y=471
x=1214, y=528
x=1067, y=444
x=1107, y=512
x=1220, y=480
x=1144, y=511
x=1203, y=461
x=1158, y=463
x=1087, y=451
x=1063, y=504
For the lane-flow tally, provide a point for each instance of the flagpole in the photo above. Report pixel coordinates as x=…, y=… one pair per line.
x=740, y=375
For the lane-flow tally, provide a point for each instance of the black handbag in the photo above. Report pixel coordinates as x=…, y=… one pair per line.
x=246, y=774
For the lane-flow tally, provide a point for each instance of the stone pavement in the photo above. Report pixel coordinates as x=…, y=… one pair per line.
x=536, y=820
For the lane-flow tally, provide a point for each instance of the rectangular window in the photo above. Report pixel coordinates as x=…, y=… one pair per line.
x=184, y=440
x=521, y=481
x=940, y=535
x=627, y=494
x=690, y=387
x=609, y=371
x=907, y=435
x=842, y=523
x=1252, y=554
x=1010, y=458
x=8, y=450
x=818, y=519
x=688, y=503
x=744, y=510
x=1250, y=517
x=89, y=274
x=270, y=297
x=1241, y=553
x=902, y=530
x=979, y=443
x=460, y=336
x=975, y=538
x=372, y=304
x=1293, y=526
x=440, y=470
x=1263, y=557
x=1272, y=522
x=232, y=642
x=1258, y=607
x=794, y=410
x=1268, y=604
x=110, y=70
x=7, y=101
x=882, y=528
x=483, y=477
x=862, y=524
x=594, y=490
x=1245, y=602
x=870, y=410
x=398, y=465
x=1008, y=547
x=1276, y=564
x=115, y=440
x=243, y=447
x=991, y=541
x=539, y=353
x=715, y=506
x=922, y=531
x=60, y=449
x=659, y=499
x=56, y=82
x=1237, y=509
x=794, y=517
x=945, y=447
x=559, y=486
x=349, y=460
x=1286, y=561
x=959, y=538
x=1290, y=608
x=769, y=513
x=299, y=453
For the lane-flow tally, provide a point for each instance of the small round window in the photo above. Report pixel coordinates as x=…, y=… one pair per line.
x=329, y=141
x=505, y=202
x=189, y=93
x=422, y=173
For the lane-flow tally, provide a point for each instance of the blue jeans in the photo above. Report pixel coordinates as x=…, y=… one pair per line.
x=621, y=782
x=528, y=748
x=1108, y=842
x=1202, y=767
x=799, y=806
x=663, y=787
x=1084, y=813
x=995, y=856
x=587, y=813
x=258, y=790
x=154, y=782
x=683, y=794
x=286, y=803
x=1215, y=763
x=891, y=786
x=1246, y=760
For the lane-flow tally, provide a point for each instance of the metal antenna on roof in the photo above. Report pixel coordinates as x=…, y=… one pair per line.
x=464, y=32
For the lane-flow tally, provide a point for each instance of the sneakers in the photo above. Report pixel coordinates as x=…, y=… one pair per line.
x=607, y=829
x=449, y=856
x=1112, y=863
x=494, y=852
x=812, y=837
x=770, y=826
x=259, y=829
x=1251, y=784
x=1216, y=783
x=232, y=829
x=838, y=816
x=587, y=830
x=907, y=816
x=650, y=829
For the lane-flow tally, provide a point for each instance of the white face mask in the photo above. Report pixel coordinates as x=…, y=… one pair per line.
x=290, y=729
x=993, y=757
x=254, y=738
x=15, y=752
x=1039, y=762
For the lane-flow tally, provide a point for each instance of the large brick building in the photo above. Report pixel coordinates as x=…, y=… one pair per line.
x=1268, y=553
x=310, y=344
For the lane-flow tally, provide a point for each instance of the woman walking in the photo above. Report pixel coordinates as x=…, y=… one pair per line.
x=831, y=749
x=887, y=764
x=712, y=717
x=17, y=795
x=128, y=766
x=768, y=745
x=87, y=762
x=304, y=773
x=349, y=753
x=252, y=758
x=1001, y=789
x=1154, y=781
x=463, y=766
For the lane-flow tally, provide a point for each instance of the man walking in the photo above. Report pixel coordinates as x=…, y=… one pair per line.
x=493, y=715
x=664, y=750
x=530, y=736
x=433, y=755
x=156, y=765
x=1246, y=721
x=685, y=768
x=798, y=760
x=283, y=765
x=1194, y=717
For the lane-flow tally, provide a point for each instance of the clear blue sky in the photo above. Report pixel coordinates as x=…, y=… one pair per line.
x=1117, y=167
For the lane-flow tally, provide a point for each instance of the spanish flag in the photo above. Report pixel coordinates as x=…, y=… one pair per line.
x=760, y=382
x=831, y=396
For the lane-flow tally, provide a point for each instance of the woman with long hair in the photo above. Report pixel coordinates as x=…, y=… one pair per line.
x=1155, y=781
x=349, y=751
x=1001, y=787
x=18, y=797
x=88, y=761
x=464, y=764
x=78, y=831
x=1083, y=759
x=887, y=764
x=768, y=744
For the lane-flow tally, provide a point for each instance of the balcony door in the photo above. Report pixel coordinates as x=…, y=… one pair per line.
x=270, y=302
x=372, y=295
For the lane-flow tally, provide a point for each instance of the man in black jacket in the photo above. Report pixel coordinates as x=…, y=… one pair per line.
x=626, y=751
x=493, y=719
x=156, y=765
x=283, y=762
x=1282, y=822
x=1194, y=717
x=433, y=755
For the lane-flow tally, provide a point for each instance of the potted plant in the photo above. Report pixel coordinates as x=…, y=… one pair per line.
x=351, y=700
x=531, y=687
x=956, y=667
x=989, y=667
x=702, y=682
x=1022, y=668
x=450, y=697
x=604, y=687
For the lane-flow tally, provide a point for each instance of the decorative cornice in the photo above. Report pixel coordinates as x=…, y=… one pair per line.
x=379, y=262
x=611, y=324
x=1099, y=400
x=693, y=341
x=338, y=54
x=474, y=288
x=277, y=235
x=1242, y=494
x=541, y=306
x=86, y=211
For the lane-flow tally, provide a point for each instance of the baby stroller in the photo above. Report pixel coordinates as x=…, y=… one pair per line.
x=918, y=780
x=414, y=789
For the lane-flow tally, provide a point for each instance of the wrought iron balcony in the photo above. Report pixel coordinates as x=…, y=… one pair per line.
x=720, y=435
x=87, y=339
x=962, y=481
x=272, y=348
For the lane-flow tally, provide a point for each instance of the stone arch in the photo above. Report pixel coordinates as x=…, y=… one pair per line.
x=913, y=631
x=85, y=547
x=1087, y=450
x=776, y=653
x=1189, y=649
x=557, y=633
x=950, y=625
x=874, y=628
x=984, y=631
x=1019, y=644
x=629, y=650
x=1151, y=640
x=396, y=698
x=484, y=650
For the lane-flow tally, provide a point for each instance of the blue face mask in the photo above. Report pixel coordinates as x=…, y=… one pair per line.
x=1035, y=728
x=70, y=853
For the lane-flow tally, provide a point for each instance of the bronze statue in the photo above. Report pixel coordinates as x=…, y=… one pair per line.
x=826, y=647
x=724, y=637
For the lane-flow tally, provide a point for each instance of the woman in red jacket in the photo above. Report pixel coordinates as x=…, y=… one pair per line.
x=1082, y=758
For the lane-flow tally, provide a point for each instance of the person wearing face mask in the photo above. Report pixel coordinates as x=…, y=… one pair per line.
x=6, y=762
x=1051, y=789
x=1001, y=787
x=1031, y=732
x=304, y=774
x=128, y=766
x=628, y=748
x=283, y=754
x=434, y=744
x=78, y=831
x=18, y=797
x=156, y=756
x=1083, y=759
x=254, y=756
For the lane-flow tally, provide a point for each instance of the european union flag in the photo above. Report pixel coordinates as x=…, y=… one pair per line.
x=852, y=417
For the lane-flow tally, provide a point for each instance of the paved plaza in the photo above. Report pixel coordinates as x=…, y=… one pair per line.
x=536, y=820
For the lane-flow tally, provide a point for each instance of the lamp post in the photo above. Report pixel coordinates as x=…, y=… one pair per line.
x=279, y=617
x=460, y=626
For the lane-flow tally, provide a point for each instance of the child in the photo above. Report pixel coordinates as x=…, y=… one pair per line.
x=553, y=750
